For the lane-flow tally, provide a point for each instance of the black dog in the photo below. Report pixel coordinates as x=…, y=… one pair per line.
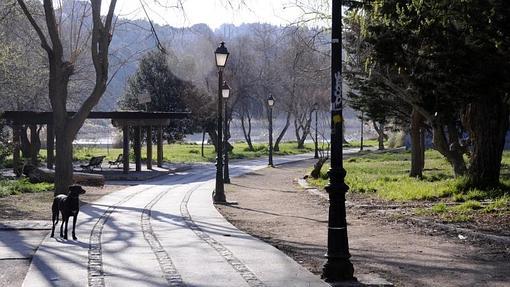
x=68, y=205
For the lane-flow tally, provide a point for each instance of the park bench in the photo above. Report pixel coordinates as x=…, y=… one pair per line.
x=95, y=162
x=116, y=162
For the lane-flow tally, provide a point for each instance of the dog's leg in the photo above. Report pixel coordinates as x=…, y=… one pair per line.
x=54, y=219
x=62, y=226
x=74, y=225
x=65, y=229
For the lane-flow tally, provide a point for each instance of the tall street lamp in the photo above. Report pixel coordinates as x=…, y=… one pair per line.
x=338, y=266
x=225, y=92
x=270, y=104
x=221, y=56
x=316, y=108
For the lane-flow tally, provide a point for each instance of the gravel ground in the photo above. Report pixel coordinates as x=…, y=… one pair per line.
x=273, y=208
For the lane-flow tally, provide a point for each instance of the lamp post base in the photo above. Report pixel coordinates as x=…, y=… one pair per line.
x=219, y=197
x=338, y=269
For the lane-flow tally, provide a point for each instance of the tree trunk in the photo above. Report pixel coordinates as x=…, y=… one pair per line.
x=300, y=140
x=344, y=141
x=316, y=172
x=297, y=128
x=417, y=145
x=276, y=146
x=64, y=134
x=213, y=136
x=487, y=123
x=380, y=134
x=301, y=143
x=30, y=146
x=247, y=131
x=63, y=160
x=35, y=144
x=26, y=151
x=302, y=129
x=447, y=148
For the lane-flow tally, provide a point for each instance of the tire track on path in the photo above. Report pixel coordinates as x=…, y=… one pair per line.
x=166, y=264
x=95, y=270
x=224, y=252
x=170, y=273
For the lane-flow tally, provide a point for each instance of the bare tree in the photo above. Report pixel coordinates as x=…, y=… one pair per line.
x=242, y=78
x=62, y=66
x=305, y=80
x=323, y=127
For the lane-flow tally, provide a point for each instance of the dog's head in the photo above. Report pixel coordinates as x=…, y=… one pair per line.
x=75, y=190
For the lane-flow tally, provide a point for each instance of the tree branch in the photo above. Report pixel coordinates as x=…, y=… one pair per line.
x=51, y=23
x=44, y=42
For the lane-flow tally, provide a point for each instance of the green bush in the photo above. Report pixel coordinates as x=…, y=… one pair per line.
x=396, y=140
x=5, y=146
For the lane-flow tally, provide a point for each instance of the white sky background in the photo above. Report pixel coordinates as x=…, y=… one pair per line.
x=211, y=12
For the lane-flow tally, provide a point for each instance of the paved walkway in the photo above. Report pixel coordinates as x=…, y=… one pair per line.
x=165, y=232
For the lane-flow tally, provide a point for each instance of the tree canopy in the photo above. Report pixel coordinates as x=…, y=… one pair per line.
x=450, y=61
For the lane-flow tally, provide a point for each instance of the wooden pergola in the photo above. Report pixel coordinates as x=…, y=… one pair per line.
x=139, y=120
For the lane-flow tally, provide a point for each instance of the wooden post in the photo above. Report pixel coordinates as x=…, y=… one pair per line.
x=138, y=148
x=160, y=146
x=125, y=148
x=16, y=154
x=50, y=146
x=149, y=147
x=33, y=143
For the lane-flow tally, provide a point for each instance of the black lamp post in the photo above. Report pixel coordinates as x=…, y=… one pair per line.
x=338, y=266
x=361, y=137
x=270, y=104
x=225, y=92
x=316, y=107
x=221, y=56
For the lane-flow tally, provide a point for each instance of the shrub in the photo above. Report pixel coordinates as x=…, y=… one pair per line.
x=396, y=140
x=5, y=146
x=439, y=208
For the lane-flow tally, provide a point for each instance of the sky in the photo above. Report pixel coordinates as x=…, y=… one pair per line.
x=211, y=12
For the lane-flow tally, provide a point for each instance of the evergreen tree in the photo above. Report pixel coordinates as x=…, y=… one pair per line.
x=167, y=92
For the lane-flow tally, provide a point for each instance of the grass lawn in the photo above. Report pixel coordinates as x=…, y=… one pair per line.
x=181, y=152
x=385, y=175
x=172, y=152
x=15, y=187
x=366, y=143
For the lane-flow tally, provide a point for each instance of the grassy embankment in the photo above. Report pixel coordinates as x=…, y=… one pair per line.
x=385, y=175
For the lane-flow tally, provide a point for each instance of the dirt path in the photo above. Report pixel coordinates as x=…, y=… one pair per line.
x=273, y=208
